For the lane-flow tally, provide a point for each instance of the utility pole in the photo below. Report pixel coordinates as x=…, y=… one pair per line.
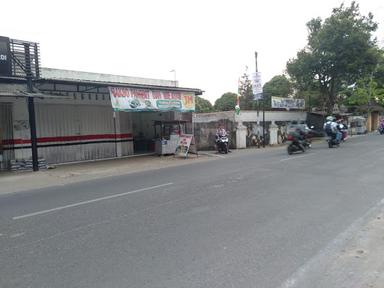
x=31, y=108
x=259, y=104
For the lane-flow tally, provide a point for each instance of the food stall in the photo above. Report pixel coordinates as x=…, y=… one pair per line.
x=168, y=135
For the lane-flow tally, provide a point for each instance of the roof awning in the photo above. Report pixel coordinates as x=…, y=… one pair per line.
x=34, y=95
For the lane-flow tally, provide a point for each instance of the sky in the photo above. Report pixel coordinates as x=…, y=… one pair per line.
x=209, y=44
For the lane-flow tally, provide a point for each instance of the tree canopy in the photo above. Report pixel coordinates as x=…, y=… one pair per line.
x=340, y=51
x=246, y=93
x=203, y=105
x=226, y=102
x=278, y=86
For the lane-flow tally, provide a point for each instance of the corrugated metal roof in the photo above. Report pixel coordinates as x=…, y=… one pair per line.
x=60, y=74
x=51, y=74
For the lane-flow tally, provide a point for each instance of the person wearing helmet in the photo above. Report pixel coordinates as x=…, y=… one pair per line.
x=297, y=138
x=330, y=127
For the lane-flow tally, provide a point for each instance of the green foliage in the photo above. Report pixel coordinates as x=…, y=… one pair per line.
x=278, y=86
x=245, y=91
x=366, y=91
x=340, y=51
x=226, y=102
x=203, y=105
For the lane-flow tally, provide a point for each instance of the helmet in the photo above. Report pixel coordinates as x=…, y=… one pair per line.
x=330, y=118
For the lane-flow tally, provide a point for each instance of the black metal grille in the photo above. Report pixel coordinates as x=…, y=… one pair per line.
x=25, y=59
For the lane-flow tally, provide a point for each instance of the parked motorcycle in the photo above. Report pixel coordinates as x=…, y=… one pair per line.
x=381, y=130
x=222, y=144
x=295, y=145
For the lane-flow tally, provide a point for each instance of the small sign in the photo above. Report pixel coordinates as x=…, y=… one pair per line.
x=186, y=144
x=5, y=57
x=257, y=86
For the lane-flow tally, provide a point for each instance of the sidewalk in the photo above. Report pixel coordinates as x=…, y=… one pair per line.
x=77, y=172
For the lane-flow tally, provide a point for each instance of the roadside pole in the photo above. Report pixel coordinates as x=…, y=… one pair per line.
x=31, y=108
x=258, y=95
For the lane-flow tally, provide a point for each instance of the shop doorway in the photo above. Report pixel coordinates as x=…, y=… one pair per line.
x=143, y=130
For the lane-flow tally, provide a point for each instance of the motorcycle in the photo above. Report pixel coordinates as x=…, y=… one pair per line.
x=295, y=145
x=332, y=141
x=381, y=129
x=344, y=132
x=222, y=144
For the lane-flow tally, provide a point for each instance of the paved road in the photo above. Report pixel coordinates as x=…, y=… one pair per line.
x=249, y=219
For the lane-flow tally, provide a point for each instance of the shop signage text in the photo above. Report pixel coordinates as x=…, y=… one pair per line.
x=5, y=63
x=130, y=99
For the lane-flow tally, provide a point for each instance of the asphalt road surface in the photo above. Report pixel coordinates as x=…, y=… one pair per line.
x=252, y=218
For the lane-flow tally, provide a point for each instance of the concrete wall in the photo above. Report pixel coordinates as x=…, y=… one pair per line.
x=205, y=125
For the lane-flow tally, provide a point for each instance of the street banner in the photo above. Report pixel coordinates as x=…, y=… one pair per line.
x=257, y=86
x=131, y=100
x=186, y=144
x=287, y=103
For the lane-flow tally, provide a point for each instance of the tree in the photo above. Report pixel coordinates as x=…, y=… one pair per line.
x=340, y=51
x=203, y=105
x=368, y=90
x=278, y=86
x=226, y=102
x=246, y=94
x=365, y=92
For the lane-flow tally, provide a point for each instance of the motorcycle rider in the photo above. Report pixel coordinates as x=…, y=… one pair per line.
x=221, y=132
x=342, y=128
x=331, y=128
x=298, y=138
x=381, y=126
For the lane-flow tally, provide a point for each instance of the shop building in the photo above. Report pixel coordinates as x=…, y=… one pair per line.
x=79, y=116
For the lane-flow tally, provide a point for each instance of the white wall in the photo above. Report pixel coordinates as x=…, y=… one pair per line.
x=249, y=116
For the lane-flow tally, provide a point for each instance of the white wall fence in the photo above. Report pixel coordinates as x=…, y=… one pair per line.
x=242, y=126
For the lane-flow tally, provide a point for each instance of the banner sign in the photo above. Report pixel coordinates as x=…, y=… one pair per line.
x=5, y=57
x=257, y=86
x=131, y=100
x=287, y=103
x=186, y=144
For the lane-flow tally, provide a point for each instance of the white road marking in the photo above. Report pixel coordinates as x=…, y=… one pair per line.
x=16, y=235
x=217, y=155
x=89, y=201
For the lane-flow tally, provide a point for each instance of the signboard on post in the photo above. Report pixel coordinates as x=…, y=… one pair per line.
x=287, y=103
x=132, y=100
x=5, y=57
x=186, y=144
x=257, y=86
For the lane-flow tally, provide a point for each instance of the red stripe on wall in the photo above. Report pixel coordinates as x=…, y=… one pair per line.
x=67, y=138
